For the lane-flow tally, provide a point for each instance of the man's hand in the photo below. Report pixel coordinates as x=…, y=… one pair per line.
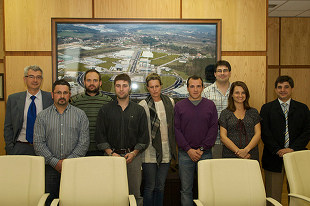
x=115, y=154
x=194, y=154
x=281, y=152
x=59, y=166
x=129, y=157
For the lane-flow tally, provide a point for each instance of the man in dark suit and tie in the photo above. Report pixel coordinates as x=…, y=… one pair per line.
x=285, y=128
x=21, y=111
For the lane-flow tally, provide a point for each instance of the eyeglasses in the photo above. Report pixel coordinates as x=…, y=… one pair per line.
x=34, y=77
x=60, y=93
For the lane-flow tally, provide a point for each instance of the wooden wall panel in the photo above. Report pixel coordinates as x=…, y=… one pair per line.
x=251, y=70
x=1, y=30
x=28, y=22
x=137, y=9
x=301, y=79
x=272, y=75
x=273, y=41
x=15, y=74
x=295, y=41
x=243, y=21
x=2, y=117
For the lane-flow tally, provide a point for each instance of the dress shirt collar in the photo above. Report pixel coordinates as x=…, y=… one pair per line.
x=217, y=89
x=65, y=111
x=37, y=95
x=288, y=102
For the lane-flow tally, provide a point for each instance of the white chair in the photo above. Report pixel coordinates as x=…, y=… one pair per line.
x=233, y=182
x=297, y=168
x=22, y=180
x=94, y=181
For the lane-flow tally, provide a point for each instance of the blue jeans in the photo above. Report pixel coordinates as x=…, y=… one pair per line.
x=154, y=186
x=186, y=171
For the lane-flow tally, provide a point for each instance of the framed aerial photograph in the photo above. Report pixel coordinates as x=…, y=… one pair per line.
x=173, y=48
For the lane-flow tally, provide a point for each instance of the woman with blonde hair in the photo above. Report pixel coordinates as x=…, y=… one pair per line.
x=156, y=158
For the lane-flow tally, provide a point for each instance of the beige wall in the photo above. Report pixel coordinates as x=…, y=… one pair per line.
x=28, y=33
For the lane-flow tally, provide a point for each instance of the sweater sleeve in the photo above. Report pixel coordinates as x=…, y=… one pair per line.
x=182, y=143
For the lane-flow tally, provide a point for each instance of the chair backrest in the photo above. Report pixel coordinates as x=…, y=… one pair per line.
x=94, y=181
x=22, y=180
x=231, y=182
x=297, y=168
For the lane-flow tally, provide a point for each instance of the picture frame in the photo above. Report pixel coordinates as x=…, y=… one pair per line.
x=173, y=48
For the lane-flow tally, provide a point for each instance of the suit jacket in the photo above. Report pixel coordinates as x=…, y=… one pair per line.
x=14, y=116
x=273, y=129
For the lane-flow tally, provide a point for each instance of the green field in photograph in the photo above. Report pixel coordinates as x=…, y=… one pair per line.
x=167, y=81
x=157, y=55
x=76, y=67
x=107, y=85
x=109, y=62
x=164, y=60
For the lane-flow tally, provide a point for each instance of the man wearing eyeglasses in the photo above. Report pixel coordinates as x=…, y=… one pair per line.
x=60, y=132
x=21, y=111
x=218, y=92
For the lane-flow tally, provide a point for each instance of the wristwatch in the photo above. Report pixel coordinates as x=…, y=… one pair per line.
x=202, y=149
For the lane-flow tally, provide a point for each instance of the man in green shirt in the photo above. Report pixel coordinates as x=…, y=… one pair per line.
x=90, y=102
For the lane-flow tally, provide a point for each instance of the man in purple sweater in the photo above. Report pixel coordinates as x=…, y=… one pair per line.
x=196, y=126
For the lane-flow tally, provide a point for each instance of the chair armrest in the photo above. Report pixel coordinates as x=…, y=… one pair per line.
x=273, y=201
x=198, y=203
x=299, y=197
x=132, y=200
x=55, y=202
x=43, y=199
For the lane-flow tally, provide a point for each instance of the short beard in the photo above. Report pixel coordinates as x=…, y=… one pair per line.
x=95, y=91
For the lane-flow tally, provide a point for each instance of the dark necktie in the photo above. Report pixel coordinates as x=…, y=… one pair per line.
x=31, y=117
x=286, y=137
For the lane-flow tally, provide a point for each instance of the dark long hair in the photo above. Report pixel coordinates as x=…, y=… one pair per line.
x=231, y=106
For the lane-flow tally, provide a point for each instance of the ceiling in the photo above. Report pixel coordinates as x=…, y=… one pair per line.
x=289, y=8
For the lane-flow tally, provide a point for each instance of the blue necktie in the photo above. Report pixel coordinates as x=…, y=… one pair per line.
x=31, y=118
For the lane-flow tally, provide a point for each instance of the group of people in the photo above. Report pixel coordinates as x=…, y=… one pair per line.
x=215, y=122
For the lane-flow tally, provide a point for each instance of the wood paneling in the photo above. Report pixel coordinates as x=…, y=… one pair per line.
x=251, y=70
x=243, y=21
x=137, y=9
x=272, y=75
x=2, y=117
x=301, y=79
x=28, y=22
x=15, y=71
x=1, y=30
x=295, y=41
x=273, y=41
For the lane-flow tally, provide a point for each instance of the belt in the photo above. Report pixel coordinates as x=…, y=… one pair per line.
x=25, y=142
x=124, y=151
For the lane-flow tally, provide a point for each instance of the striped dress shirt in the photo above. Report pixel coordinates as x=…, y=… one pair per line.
x=61, y=136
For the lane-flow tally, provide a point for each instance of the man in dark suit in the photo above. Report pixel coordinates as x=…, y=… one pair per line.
x=285, y=128
x=21, y=111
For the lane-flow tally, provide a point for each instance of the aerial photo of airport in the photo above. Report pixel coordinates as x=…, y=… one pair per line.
x=174, y=51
